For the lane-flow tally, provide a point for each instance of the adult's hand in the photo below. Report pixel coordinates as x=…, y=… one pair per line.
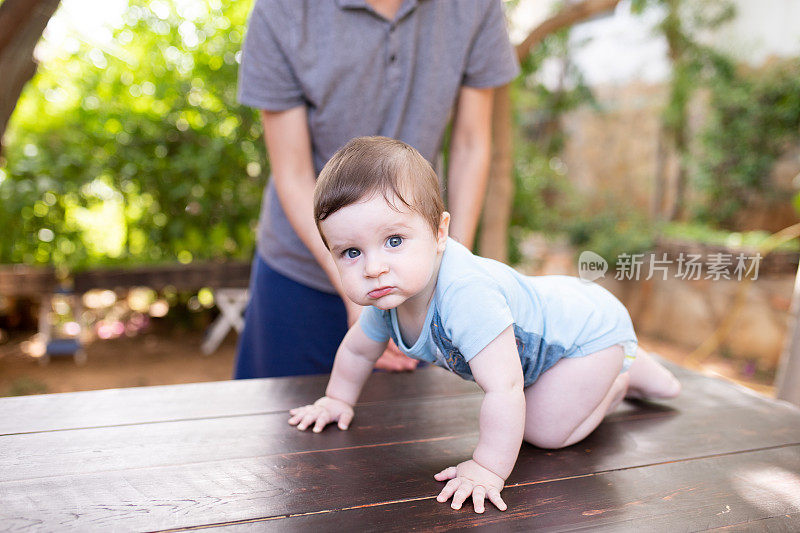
x=394, y=360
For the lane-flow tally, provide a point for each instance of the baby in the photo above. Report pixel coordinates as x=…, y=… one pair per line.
x=553, y=354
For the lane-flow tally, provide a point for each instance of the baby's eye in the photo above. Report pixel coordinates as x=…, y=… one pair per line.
x=394, y=241
x=351, y=253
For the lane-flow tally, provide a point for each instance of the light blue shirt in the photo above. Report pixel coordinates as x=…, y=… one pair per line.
x=477, y=298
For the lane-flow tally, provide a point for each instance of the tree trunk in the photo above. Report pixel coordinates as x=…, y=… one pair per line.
x=676, y=129
x=500, y=189
x=660, y=177
x=679, y=200
x=21, y=25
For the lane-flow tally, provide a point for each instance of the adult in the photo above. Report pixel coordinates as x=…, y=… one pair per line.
x=323, y=72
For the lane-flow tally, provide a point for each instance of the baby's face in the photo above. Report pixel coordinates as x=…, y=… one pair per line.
x=385, y=257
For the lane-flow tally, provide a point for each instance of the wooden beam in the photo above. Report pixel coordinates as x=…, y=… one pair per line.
x=24, y=280
x=180, y=277
x=496, y=216
x=788, y=378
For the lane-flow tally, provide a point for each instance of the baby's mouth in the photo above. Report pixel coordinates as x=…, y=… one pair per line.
x=380, y=292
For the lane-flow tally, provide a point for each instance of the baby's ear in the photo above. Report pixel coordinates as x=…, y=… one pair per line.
x=444, y=231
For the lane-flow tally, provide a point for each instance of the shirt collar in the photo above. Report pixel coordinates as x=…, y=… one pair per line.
x=350, y=4
x=407, y=7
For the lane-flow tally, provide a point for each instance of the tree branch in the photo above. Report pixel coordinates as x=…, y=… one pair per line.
x=568, y=16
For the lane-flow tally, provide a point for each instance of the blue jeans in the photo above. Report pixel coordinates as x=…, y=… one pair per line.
x=289, y=329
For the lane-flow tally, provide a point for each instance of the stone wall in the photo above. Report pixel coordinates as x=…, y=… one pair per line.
x=613, y=154
x=689, y=312
x=688, y=307
x=614, y=150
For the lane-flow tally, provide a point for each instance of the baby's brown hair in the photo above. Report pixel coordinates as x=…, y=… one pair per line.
x=368, y=165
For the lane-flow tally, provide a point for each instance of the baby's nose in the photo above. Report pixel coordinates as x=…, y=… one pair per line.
x=375, y=267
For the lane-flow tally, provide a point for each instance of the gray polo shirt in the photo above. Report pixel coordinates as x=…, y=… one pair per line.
x=358, y=74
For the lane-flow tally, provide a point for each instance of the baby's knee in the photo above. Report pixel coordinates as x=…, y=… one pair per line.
x=545, y=439
x=621, y=384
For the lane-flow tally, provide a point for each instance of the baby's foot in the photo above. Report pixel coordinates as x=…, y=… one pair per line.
x=650, y=380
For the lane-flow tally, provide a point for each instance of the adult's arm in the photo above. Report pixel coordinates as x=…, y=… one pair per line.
x=470, y=152
x=289, y=148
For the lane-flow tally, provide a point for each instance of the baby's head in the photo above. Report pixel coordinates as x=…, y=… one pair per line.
x=380, y=213
x=367, y=166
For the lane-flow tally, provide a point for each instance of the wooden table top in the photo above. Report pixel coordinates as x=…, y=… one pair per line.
x=222, y=456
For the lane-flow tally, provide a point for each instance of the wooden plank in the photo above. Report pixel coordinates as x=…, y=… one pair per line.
x=704, y=492
x=635, y=434
x=788, y=522
x=197, y=474
x=73, y=410
x=742, y=492
x=200, y=493
x=257, y=437
x=181, y=277
x=24, y=280
x=191, y=489
x=249, y=435
x=140, y=405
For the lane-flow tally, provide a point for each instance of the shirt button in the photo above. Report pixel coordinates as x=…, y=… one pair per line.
x=392, y=58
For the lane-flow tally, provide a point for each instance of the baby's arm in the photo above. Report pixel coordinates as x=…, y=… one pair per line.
x=352, y=366
x=498, y=371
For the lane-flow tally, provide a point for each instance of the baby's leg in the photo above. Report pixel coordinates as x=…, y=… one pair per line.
x=570, y=399
x=649, y=379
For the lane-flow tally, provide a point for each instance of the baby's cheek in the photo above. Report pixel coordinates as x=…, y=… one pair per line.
x=354, y=294
x=351, y=289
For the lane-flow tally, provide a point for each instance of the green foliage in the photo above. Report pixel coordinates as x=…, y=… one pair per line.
x=540, y=187
x=24, y=386
x=538, y=106
x=609, y=231
x=702, y=233
x=692, y=62
x=544, y=199
x=754, y=118
x=137, y=152
x=539, y=173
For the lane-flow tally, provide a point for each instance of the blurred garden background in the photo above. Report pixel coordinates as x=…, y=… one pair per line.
x=637, y=127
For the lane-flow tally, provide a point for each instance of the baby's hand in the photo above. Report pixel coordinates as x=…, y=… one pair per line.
x=471, y=478
x=324, y=411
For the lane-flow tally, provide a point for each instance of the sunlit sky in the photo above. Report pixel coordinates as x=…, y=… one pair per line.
x=75, y=21
x=613, y=49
